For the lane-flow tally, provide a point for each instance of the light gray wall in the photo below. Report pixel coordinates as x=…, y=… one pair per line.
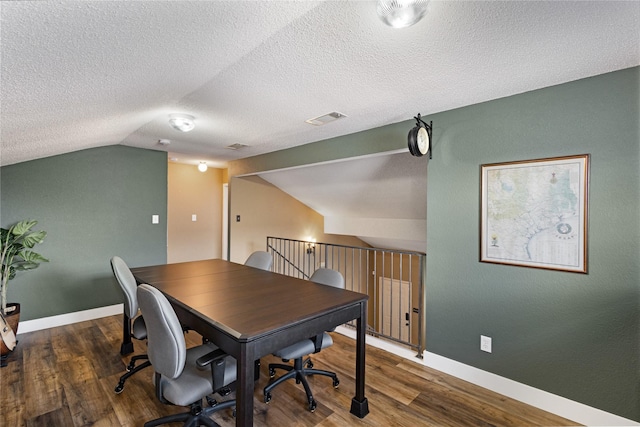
x=93, y=204
x=571, y=334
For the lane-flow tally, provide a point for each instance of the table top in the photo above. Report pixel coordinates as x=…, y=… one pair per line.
x=245, y=302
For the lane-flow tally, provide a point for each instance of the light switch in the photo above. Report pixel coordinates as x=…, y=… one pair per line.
x=155, y=219
x=194, y=217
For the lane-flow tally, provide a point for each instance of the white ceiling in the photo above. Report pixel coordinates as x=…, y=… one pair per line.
x=82, y=74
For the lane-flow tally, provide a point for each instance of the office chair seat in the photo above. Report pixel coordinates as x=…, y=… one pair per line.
x=139, y=329
x=303, y=348
x=192, y=384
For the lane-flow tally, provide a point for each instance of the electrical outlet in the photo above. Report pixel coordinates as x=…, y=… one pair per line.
x=485, y=343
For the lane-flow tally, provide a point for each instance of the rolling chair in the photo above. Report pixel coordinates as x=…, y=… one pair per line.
x=133, y=324
x=182, y=377
x=301, y=349
x=260, y=259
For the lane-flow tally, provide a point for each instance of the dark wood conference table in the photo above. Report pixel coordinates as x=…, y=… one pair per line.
x=250, y=313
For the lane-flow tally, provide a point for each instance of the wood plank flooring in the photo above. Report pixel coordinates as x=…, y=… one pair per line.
x=65, y=376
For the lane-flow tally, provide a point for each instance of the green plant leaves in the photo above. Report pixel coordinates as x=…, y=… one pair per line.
x=23, y=227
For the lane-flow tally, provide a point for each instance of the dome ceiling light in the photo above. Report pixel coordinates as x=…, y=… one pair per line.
x=182, y=122
x=401, y=13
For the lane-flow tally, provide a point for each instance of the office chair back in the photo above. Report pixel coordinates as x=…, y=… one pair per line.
x=326, y=276
x=128, y=284
x=165, y=342
x=260, y=259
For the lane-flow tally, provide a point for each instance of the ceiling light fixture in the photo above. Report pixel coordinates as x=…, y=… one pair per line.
x=401, y=13
x=202, y=167
x=182, y=122
x=419, y=138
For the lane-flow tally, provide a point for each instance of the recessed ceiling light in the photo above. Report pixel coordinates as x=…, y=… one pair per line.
x=327, y=118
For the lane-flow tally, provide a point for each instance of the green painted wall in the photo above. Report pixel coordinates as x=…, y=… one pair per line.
x=570, y=334
x=93, y=204
x=387, y=138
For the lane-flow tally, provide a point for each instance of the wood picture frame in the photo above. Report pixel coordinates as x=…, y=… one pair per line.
x=534, y=213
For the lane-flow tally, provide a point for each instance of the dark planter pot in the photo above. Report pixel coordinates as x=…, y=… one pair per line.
x=13, y=317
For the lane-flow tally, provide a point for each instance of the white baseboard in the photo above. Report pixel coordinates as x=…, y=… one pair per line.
x=546, y=401
x=27, y=326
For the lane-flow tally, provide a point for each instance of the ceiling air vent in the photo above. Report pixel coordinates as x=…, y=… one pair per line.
x=323, y=120
x=236, y=146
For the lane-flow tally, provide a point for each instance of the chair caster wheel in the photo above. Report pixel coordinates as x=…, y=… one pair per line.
x=267, y=398
x=211, y=401
x=309, y=364
x=119, y=388
x=225, y=391
x=312, y=406
x=336, y=383
x=272, y=373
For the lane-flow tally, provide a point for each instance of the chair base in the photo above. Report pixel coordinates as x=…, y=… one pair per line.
x=299, y=372
x=132, y=369
x=197, y=416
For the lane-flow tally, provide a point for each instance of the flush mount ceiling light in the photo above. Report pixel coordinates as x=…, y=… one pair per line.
x=401, y=13
x=202, y=167
x=182, y=122
x=419, y=138
x=327, y=118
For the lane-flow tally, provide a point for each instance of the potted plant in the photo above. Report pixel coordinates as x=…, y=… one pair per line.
x=16, y=255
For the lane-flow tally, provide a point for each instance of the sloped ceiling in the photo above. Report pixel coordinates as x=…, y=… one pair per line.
x=82, y=74
x=380, y=199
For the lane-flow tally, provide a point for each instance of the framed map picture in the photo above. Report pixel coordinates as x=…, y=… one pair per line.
x=534, y=213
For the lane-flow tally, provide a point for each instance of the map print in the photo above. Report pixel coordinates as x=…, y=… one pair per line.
x=533, y=214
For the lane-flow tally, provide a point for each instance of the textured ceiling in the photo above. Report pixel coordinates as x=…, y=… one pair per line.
x=82, y=74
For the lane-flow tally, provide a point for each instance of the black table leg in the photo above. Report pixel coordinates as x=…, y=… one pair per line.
x=360, y=404
x=127, y=345
x=245, y=386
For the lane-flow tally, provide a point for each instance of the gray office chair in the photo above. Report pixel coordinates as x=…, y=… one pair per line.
x=299, y=350
x=133, y=324
x=260, y=259
x=182, y=377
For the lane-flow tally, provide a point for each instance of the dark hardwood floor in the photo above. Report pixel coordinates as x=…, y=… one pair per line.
x=65, y=376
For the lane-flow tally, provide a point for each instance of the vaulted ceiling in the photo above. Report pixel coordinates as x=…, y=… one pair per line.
x=82, y=74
